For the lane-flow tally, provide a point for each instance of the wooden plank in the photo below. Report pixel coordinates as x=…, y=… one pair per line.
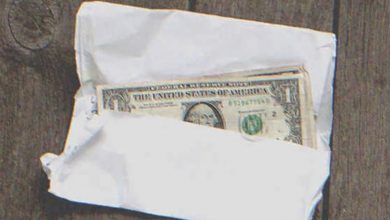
x=306, y=13
x=37, y=83
x=316, y=14
x=360, y=181
x=163, y=4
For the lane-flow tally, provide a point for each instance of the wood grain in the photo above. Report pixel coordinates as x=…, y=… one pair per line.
x=360, y=181
x=156, y=4
x=315, y=14
x=37, y=83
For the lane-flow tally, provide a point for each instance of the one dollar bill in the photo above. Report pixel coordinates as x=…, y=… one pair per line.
x=274, y=104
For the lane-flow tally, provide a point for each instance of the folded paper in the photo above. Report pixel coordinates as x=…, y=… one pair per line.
x=172, y=168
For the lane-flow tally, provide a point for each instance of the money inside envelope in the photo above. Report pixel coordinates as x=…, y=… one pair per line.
x=274, y=103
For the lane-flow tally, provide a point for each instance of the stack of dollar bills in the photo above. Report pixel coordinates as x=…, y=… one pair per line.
x=274, y=103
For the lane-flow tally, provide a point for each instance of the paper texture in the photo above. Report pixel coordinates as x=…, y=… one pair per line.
x=167, y=167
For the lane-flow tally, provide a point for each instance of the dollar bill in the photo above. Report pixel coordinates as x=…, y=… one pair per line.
x=274, y=104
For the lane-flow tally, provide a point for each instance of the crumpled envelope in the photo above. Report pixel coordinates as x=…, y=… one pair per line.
x=172, y=168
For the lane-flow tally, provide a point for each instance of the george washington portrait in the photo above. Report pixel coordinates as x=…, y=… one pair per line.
x=204, y=113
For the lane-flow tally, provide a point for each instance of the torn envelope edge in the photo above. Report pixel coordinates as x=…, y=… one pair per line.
x=231, y=157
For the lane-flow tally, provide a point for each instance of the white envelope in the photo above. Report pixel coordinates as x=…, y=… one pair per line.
x=172, y=168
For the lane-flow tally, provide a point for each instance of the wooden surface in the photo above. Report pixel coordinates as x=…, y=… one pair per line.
x=38, y=80
x=360, y=182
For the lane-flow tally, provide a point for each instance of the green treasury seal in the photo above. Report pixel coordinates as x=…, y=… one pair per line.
x=252, y=124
